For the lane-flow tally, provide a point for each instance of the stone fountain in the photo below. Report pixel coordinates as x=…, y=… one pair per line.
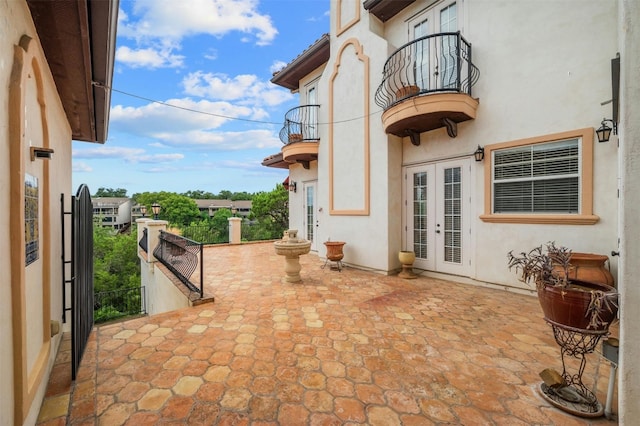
x=291, y=248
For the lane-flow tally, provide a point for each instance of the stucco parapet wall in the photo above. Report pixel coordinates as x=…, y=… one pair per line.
x=193, y=297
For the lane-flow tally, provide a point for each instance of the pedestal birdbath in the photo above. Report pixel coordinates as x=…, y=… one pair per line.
x=291, y=248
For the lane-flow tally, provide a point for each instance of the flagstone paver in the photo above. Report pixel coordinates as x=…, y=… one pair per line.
x=349, y=347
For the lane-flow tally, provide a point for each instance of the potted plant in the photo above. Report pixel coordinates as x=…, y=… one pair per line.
x=565, y=301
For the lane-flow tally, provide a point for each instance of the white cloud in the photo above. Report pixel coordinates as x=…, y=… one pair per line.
x=159, y=158
x=81, y=167
x=277, y=66
x=148, y=58
x=183, y=115
x=222, y=141
x=246, y=88
x=165, y=23
x=102, y=152
x=129, y=155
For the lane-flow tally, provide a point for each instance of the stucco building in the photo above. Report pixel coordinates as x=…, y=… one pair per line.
x=56, y=58
x=462, y=130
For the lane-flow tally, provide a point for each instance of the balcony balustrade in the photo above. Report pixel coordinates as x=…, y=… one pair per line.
x=300, y=135
x=426, y=84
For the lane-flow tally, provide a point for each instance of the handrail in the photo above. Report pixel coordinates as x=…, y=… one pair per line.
x=181, y=256
x=300, y=124
x=435, y=63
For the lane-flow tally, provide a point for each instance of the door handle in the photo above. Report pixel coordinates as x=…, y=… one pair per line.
x=437, y=231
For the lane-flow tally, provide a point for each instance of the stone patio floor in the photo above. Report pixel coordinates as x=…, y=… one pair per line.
x=340, y=348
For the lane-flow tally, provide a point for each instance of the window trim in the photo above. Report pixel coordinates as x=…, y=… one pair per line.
x=585, y=217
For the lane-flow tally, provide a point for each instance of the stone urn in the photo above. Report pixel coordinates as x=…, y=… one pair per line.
x=334, y=253
x=292, y=248
x=407, y=258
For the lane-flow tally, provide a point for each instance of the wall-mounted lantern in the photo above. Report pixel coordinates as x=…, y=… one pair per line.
x=604, y=132
x=479, y=153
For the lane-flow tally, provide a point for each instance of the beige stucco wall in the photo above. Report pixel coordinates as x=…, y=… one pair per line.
x=535, y=80
x=40, y=282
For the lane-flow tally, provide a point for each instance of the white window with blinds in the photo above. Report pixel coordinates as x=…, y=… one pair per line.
x=538, y=178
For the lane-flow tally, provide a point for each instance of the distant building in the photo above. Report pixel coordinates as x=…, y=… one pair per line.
x=113, y=212
x=243, y=207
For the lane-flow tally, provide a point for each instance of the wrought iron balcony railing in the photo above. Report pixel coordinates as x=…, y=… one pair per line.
x=181, y=256
x=432, y=64
x=300, y=124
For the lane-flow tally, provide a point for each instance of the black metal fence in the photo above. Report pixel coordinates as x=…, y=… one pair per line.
x=115, y=304
x=82, y=279
x=435, y=63
x=206, y=234
x=182, y=256
x=300, y=124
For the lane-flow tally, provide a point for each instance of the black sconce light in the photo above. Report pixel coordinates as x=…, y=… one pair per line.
x=292, y=186
x=479, y=153
x=155, y=208
x=604, y=132
x=143, y=210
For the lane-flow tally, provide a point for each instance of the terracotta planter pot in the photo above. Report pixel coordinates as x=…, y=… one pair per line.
x=295, y=137
x=591, y=268
x=570, y=306
x=334, y=250
x=407, y=91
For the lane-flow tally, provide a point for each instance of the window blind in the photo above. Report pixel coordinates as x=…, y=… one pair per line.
x=540, y=178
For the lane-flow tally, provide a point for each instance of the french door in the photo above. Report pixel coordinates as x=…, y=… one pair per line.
x=310, y=218
x=437, y=219
x=435, y=64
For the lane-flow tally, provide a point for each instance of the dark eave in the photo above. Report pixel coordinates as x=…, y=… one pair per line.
x=78, y=38
x=386, y=9
x=316, y=55
x=276, y=161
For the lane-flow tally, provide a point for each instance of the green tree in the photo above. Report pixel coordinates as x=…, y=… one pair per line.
x=177, y=209
x=115, y=260
x=224, y=195
x=110, y=192
x=241, y=196
x=199, y=195
x=271, y=210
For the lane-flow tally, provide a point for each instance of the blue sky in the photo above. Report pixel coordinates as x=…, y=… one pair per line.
x=212, y=59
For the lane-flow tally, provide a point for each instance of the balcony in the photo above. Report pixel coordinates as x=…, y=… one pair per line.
x=426, y=85
x=300, y=135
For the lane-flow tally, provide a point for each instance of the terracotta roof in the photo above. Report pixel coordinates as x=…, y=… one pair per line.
x=316, y=55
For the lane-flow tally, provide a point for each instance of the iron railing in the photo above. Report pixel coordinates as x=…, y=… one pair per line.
x=435, y=63
x=300, y=125
x=182, y=257
x=143, y=241
x=206, y=234
x=120, y=303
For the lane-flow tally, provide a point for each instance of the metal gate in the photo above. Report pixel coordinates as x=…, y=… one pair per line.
x=81, y=267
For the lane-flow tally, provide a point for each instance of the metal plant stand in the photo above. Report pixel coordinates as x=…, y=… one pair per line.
x=575, y=398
